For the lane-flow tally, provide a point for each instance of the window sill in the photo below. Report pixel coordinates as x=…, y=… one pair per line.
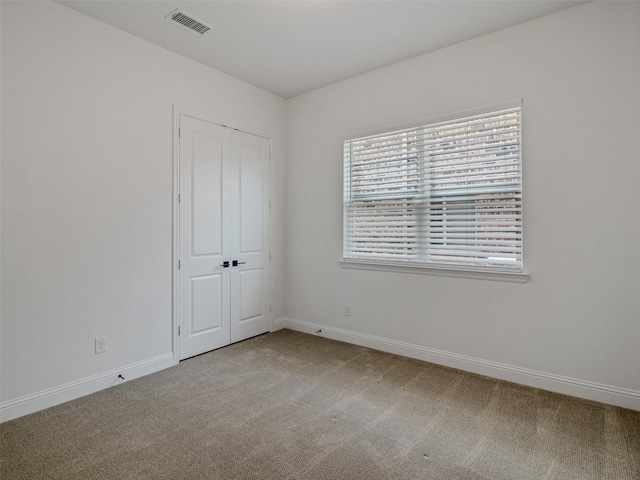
x=442, y=271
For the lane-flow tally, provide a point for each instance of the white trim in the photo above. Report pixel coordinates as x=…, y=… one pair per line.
x=272, y=314
x=179, y=110
x=598, y=392
x=442, y=271
x=279, y=324
x=175, y=238
x=50, y=397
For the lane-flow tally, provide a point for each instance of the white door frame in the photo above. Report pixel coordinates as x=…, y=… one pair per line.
x=177, y=111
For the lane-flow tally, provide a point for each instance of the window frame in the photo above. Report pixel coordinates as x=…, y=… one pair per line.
x=514, y=274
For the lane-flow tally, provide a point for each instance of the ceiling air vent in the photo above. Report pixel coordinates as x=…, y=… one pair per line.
x=188, y=21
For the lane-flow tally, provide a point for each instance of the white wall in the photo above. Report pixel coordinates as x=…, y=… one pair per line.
x=87, y=196
x=578, y=319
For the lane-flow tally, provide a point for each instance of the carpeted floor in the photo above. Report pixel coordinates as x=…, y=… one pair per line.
x=291, y=406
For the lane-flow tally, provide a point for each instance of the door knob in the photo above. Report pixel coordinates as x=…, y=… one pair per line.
x=236, y=263
x=225, y=264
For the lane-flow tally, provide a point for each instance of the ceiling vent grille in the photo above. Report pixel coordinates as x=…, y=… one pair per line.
x=188, y=21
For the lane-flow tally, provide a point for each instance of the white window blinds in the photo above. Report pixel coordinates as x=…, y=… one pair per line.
x=446, y=193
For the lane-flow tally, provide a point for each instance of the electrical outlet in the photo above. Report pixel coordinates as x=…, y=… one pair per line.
x=101, y=344
x=347, y=310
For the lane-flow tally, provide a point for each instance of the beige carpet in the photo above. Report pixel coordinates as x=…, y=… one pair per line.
x=293, y=406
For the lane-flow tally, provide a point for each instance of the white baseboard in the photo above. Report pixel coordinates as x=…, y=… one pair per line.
x=54, y=396
x=279, y=324
x=620, y=397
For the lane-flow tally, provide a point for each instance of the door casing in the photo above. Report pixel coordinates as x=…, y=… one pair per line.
x=177, y=111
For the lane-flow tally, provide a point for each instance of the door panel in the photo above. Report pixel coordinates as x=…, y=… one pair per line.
x=252, y=172
x=251, y=297
x=204, y=286
x=206, y=179
x=250, y=280
x=206, y=299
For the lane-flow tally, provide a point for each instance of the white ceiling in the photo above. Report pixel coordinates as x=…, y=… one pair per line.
x=292, y=47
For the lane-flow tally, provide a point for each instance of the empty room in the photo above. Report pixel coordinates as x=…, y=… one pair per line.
x=320, y=239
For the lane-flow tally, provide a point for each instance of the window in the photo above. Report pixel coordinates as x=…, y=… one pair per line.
x=446, y=194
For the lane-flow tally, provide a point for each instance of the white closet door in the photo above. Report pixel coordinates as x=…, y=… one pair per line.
x=250, y=293
x=224, y=274
x=204, y=285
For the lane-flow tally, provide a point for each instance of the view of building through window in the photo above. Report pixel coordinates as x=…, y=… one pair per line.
x=446, y=193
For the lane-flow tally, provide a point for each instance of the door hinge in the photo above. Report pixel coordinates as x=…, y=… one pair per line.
x=179, y=133
x=178, y=264
x=270, y=306
x=178, y=198
x=178, y=330
x=269, y=204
